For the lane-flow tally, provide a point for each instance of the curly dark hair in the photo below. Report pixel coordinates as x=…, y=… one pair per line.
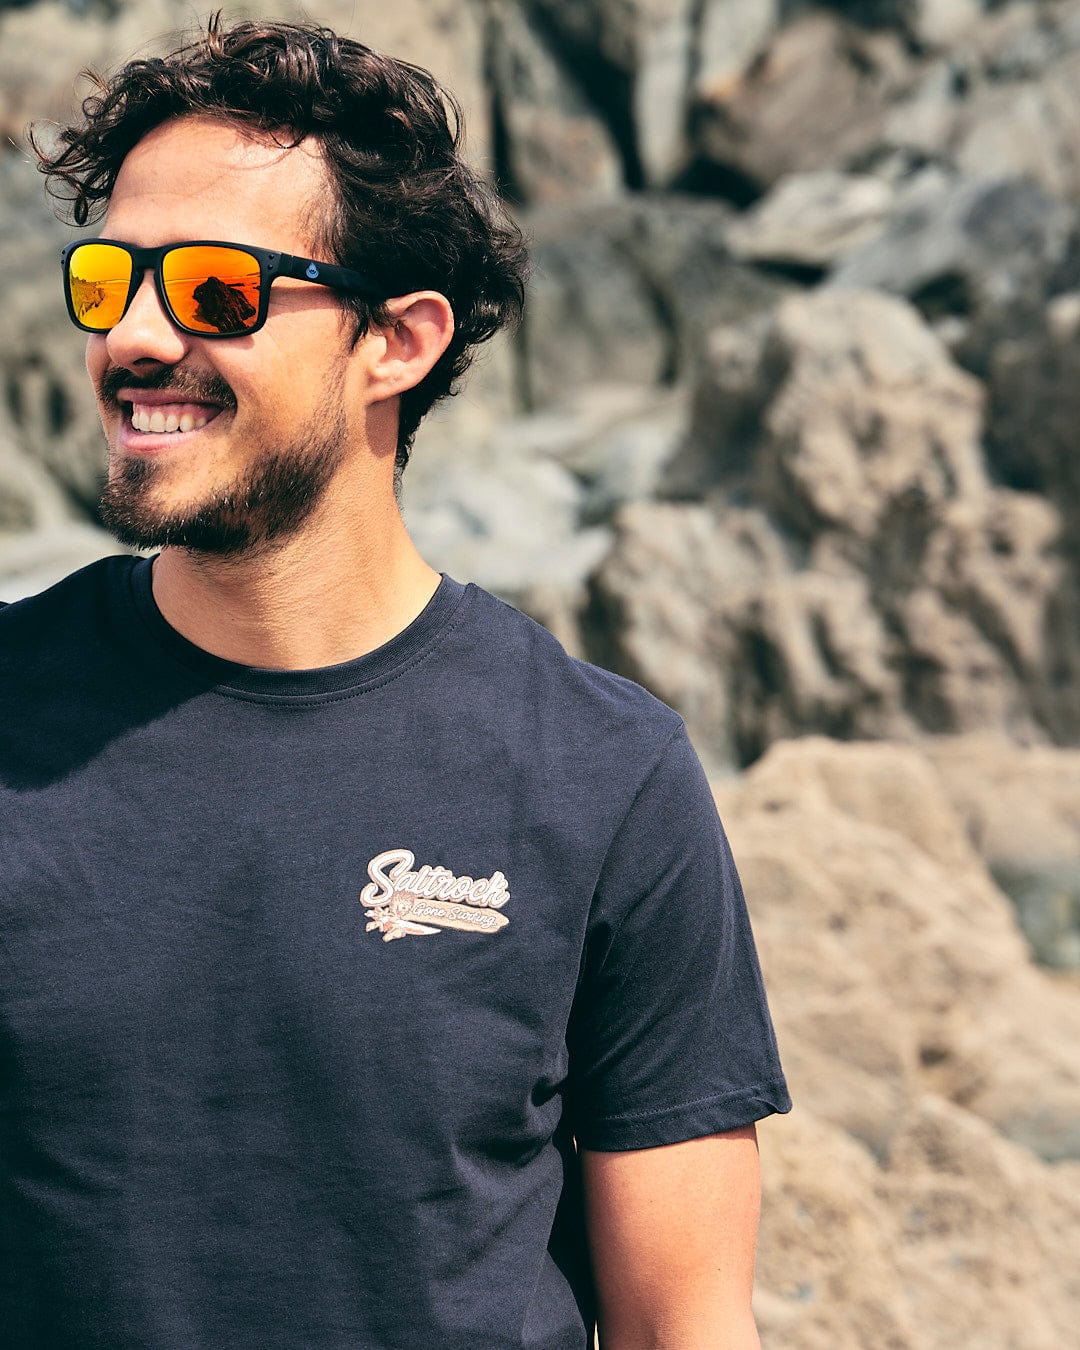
x=406, y=210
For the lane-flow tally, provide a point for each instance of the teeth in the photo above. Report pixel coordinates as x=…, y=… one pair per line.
x=159, y=421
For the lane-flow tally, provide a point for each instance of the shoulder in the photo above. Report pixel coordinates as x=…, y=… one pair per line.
x=529, y=674
x=56, y=616
x=578, y=742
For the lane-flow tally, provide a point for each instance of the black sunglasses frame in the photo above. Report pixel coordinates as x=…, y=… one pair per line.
x=271, y=266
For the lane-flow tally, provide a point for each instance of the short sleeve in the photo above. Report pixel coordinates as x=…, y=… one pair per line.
x=670, y=1036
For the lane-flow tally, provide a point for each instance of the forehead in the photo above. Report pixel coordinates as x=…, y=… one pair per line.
x=196, y=178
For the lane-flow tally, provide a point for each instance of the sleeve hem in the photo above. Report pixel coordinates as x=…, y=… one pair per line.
x=677, y=1124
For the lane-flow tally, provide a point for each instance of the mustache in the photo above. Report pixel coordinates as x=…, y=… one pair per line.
x=189, y=385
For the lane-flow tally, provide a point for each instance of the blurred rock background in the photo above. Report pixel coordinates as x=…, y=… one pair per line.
x=787, y=436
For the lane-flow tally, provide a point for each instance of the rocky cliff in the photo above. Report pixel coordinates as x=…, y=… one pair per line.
x=788, y=437
x=787, y=433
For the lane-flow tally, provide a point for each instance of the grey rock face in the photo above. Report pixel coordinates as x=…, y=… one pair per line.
x=813, y=220
x=47, y=404
x=816, y=98
x=629, y=294
x=962, y=245
x=558, y=149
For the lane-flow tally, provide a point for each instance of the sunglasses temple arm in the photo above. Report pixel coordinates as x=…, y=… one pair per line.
x=328, y=274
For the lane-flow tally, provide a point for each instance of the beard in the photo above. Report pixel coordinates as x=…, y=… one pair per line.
x=267, y=503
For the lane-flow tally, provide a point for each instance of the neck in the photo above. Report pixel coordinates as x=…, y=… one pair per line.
x=326, y=596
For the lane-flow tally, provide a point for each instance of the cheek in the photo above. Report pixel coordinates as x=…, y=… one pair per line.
x=96, y=360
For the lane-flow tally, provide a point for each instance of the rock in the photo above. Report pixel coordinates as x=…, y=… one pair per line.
x=1000, y=100
x=444, y=36
x=713, y=620
x=591, y=315
x=816, y=98
x=51, y=405
x=29, y=497
x=853, y=571
x=963, y=245
x=63, y=41
x=614, y=438
x=920, y=122
x=633, y=59
x=1029, y=127
x=664, y=71
x=812, y=220
x=924, y=1192
x=945, y=23
x=678, y=246
x=847, y=444
x=835, y=434
x=920, y=947
x=489, y=513
x=627, y=294
x=732, y=35
x=34, y=560
x=1032, y=371
x=523, y=505
x=65, y=38
x=960, y=1240
x=874, y=13
x=557, y=148
x=47, y=400
x=825, y=1276
x=1021, y=808
x=977, y=618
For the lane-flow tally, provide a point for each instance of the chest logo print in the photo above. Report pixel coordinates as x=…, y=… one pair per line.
x=402, y=900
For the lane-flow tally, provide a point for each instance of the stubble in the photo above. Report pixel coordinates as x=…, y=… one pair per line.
x=268, y=502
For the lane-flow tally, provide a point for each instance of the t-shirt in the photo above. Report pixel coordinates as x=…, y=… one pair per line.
x=312, y=982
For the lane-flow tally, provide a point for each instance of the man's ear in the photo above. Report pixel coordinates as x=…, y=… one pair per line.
x=419, y=331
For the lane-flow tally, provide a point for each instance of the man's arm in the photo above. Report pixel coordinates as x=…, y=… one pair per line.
x=672, y=1232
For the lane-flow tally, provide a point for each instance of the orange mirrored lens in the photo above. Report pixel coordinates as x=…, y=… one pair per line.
x=99, y=276
x=212, y=289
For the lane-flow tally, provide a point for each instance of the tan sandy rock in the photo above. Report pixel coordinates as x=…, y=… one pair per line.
x=1017, y=803
x=871, y=918
x=1021, y=807
x=859, y=574
x=924, y=1192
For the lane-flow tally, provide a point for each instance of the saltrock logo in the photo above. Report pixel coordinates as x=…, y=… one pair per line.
x=403, y=900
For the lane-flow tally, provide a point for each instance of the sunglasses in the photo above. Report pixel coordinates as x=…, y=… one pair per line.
x=207, y=288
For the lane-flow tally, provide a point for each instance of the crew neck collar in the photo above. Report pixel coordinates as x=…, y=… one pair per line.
x=230, y=677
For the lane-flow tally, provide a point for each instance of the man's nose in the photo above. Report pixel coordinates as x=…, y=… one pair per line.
x=146, y=333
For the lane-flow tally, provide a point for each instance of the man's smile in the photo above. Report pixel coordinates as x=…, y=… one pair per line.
x=161, y=412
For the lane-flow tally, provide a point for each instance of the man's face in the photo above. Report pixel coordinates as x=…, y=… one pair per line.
x=262, y=421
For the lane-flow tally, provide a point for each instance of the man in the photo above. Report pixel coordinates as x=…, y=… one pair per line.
x=373, y=974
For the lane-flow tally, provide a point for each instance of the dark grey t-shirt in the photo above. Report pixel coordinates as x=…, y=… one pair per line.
x=308, y=981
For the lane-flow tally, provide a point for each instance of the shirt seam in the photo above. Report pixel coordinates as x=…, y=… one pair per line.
x=716, y=1099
